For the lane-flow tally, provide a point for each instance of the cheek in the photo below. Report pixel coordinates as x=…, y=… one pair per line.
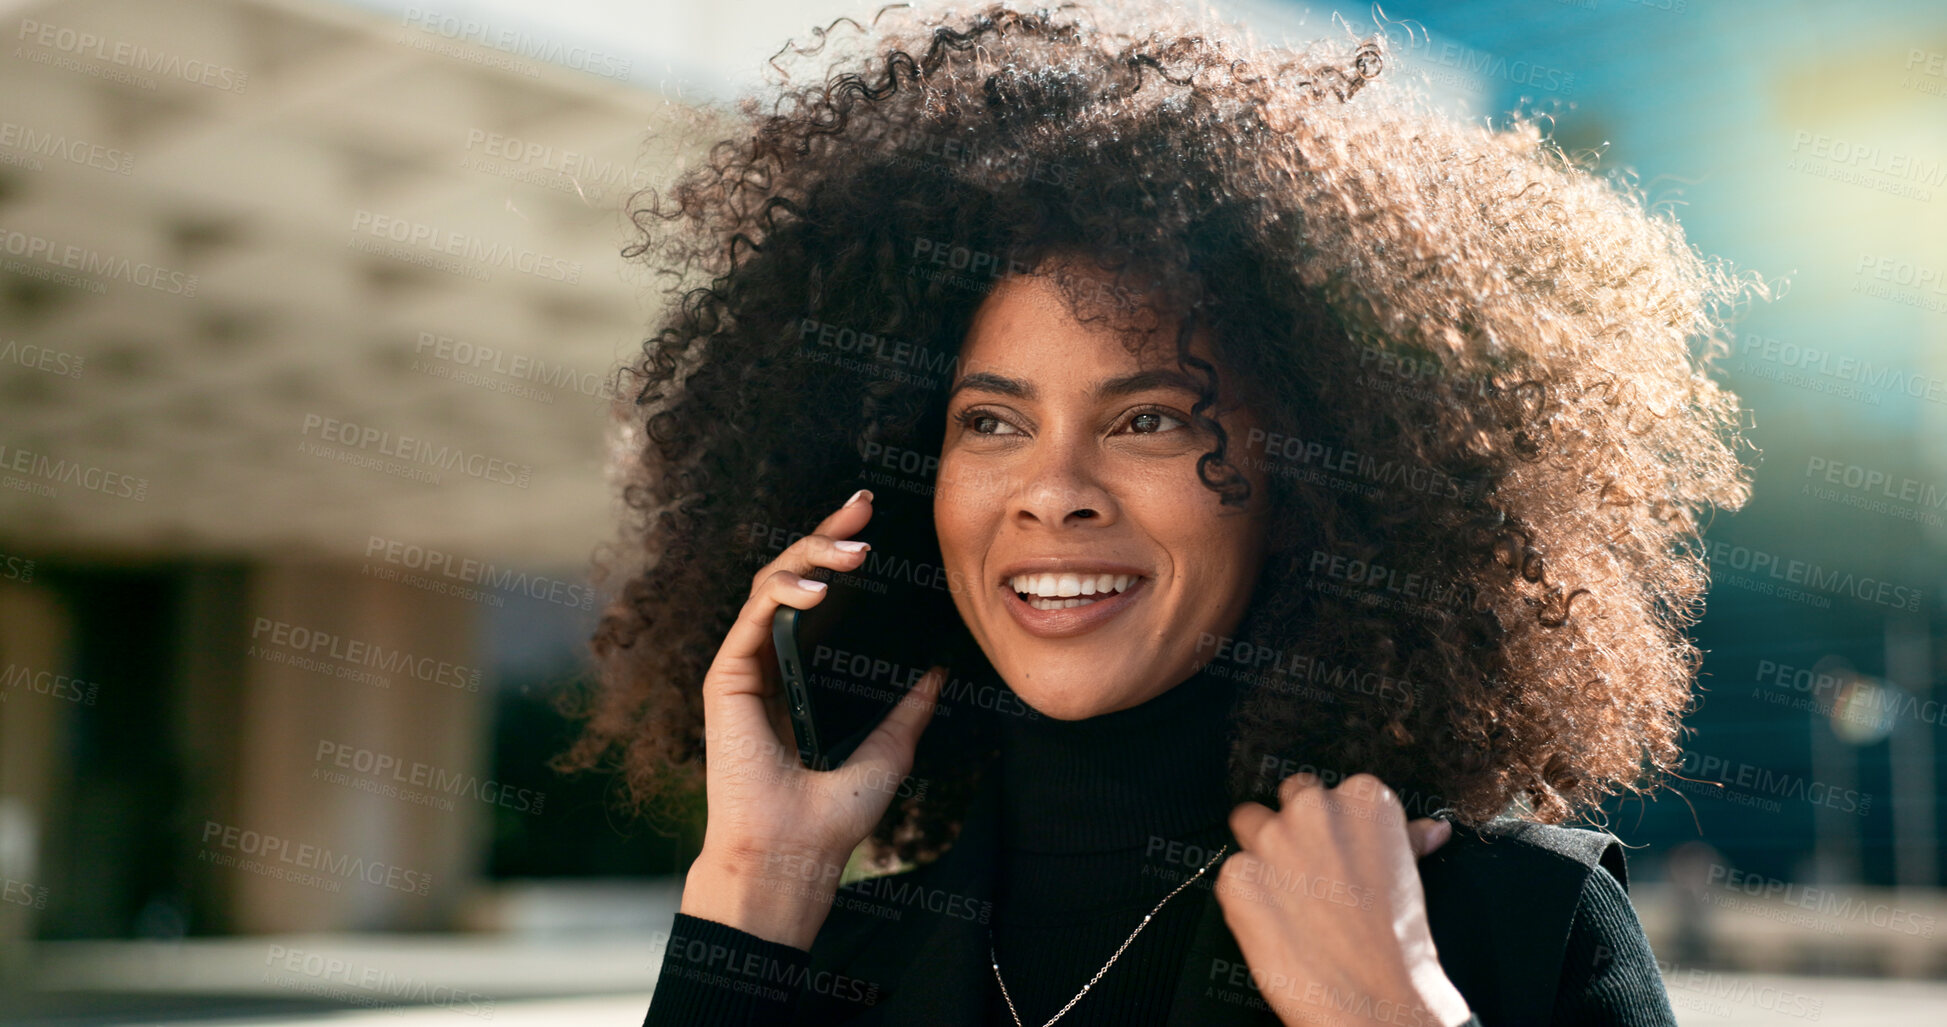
x=960, y=514
x=1216, y=559
x=1207, y=586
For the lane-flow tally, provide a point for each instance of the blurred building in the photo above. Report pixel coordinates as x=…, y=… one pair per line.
x=308, y=318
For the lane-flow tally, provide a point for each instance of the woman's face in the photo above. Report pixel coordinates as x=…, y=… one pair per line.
x=1069, y=465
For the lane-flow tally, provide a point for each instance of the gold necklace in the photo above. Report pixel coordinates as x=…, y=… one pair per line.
x=995, y=959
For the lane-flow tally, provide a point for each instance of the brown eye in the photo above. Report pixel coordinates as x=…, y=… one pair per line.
x=980, y=422
x=1152, y=422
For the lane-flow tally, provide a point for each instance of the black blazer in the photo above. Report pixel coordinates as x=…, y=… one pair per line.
x=1500, y=902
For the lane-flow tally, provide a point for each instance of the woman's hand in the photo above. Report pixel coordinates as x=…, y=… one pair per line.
x=1325, y=901
x=778, y=835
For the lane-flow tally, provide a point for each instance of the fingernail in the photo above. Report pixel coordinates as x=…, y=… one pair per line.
x=811, y=586
x=1434, y=836
x=856, y=496
x=852, y=546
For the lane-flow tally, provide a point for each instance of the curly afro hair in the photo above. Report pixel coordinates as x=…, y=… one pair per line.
x=1482, y=371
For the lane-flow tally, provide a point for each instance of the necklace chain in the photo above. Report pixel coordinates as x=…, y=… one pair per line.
x=995, y=959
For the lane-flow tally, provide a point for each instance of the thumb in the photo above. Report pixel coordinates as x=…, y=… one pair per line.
x=1427, y=834
x=891, y=744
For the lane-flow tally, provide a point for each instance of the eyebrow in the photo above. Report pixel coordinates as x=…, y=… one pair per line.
x=1108, y=388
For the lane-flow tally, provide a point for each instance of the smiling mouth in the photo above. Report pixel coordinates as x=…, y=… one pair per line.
x=1066, y=591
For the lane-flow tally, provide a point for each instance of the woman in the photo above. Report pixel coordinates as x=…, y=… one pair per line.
x=1312, y=473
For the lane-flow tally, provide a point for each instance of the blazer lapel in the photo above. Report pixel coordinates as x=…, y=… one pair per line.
x=937, y=951
x=925, y=941
x=1214, y=987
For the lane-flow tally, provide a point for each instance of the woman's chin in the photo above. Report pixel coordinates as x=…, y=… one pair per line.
x=1062, y=707
x=1059, y=703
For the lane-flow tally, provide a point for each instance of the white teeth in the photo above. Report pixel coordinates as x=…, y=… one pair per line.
x=1068, y=586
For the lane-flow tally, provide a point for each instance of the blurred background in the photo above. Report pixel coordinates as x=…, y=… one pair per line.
x=307, y=312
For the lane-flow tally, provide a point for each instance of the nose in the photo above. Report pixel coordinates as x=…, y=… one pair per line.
x=1062, y=487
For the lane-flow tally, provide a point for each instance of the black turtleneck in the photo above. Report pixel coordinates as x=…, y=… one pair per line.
x=1100, y=819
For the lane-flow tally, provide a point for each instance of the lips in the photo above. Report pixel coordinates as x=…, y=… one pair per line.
x=1067, y=589
x=1079, y=596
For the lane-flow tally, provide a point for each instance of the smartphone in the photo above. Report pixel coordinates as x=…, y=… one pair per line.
x=847, y=662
